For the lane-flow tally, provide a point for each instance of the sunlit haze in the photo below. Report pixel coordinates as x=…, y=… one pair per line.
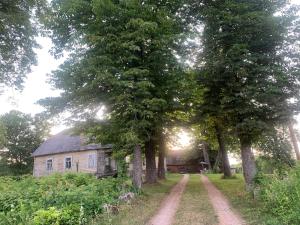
x=181, y=141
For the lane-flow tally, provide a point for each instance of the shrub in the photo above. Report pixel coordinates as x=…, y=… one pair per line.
x=281, y=198
x=53, y=216
x=268, y=165
x=57, y=199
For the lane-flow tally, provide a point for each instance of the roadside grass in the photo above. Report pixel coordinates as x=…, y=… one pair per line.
x=141, y=209
x=234, y=190
x=195, y=207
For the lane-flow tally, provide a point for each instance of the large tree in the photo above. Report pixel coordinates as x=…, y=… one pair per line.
x=122, y=56
x=18, y=29
x=23, y=134
x=245, y=45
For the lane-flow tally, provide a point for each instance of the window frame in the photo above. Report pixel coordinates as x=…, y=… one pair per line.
x=71, y=162
x=94, y=160
x=51, y=164
x=108, y=160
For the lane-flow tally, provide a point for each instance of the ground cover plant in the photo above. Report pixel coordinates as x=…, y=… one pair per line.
x=57, y=199
x=280, y=195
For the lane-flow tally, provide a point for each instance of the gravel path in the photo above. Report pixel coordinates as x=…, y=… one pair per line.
x=169, y=206
x=226, y=215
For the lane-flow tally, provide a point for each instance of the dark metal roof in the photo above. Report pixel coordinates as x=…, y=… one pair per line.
x=66, y=142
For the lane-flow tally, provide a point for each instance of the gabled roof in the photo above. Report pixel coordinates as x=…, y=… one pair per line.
x=66, y=142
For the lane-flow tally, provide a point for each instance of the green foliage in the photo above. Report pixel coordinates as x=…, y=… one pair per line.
x=267, y=165
x=18, y=28
x=277, y=152
x=57, y=199
x=244, y=75
x=53, y=216
x=23, y=134
x=122, y=56
x=280, y=196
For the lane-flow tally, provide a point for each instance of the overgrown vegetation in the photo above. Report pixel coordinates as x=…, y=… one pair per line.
x=57, y=199
x=280, y=196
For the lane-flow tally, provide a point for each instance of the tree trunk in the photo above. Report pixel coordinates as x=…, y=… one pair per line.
x=137, y=167
x=205, y=155
x=248, y=162
x=151, y=176
x=294, y=140
x=161, y=173
x=216, y=167
x=223, y=152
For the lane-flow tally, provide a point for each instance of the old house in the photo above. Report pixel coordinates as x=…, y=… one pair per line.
x=70, y=153
x=183, y=161
x=178, y=163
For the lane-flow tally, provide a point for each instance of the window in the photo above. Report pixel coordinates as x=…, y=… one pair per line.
x=68, y=163
x=49, y=166
x=92, y=161
x=108, y=161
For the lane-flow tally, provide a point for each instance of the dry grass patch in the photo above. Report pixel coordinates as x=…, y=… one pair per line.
x=195, y=207
x=139, y=211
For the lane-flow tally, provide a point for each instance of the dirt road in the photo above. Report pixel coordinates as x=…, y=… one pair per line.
x=226, y=215
x=169, y=206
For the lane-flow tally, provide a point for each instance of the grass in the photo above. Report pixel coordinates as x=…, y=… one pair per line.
x=195, y=207
x=234, y=190
x=139, y=211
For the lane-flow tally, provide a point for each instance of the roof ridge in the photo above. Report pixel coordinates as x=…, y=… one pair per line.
x=64, y=142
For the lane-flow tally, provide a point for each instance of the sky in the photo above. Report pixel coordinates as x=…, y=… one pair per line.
x=36, y=84
x=37, y=87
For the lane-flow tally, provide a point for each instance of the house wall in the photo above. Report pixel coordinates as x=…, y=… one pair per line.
x=189, y=168
x=78, y=158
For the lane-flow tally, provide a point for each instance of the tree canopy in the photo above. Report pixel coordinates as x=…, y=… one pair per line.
x=245, y=75
x=128, y=55
x=23, y=134
x=18, y=29
x=123, y=57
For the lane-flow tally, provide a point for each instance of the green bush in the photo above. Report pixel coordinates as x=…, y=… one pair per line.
x=268, y=165
x=281, y=198
x=54, y=216
x=57, y=199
